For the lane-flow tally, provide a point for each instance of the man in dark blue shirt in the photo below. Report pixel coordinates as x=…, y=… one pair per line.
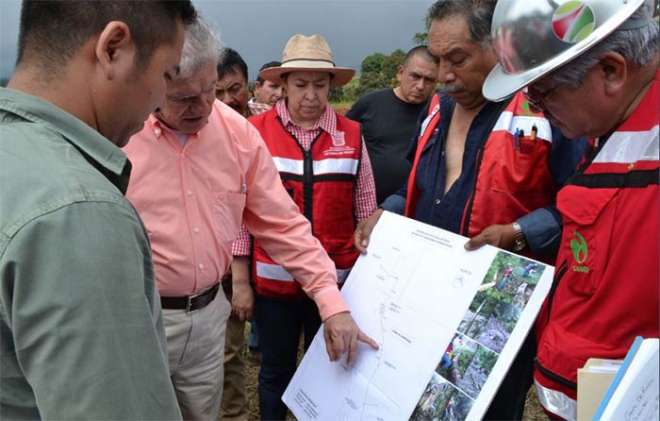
x=476, y=173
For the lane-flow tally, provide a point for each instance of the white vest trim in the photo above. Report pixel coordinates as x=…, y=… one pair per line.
x=629, y=147
x=557, y=402
x=508, y=122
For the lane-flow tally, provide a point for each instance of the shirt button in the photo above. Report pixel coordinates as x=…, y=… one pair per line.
x=158, y=132
x=201, y=266
x=437, y=201
x=631, y=166
x=196, y=229
x=189, y=192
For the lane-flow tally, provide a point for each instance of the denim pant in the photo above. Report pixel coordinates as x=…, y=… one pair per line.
x=253, y=339
x=280, y=324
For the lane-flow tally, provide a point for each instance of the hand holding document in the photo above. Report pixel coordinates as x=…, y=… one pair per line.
x=449, y=323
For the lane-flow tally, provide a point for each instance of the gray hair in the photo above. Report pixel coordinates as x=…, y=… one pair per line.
x=638, y=46
x=202, y=45
x=477, y=13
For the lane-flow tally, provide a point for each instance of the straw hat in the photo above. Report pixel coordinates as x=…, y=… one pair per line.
x=304, y=54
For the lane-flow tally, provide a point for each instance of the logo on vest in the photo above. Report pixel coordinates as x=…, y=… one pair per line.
x=338, y=139
x=525, y=110
x=580, y=252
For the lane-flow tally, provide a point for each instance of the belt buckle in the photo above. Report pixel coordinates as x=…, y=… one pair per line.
x=191, y=298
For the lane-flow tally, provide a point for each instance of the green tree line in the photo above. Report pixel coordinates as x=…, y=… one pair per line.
x=377, y=71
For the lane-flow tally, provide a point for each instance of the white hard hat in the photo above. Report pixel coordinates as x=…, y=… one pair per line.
x=534, y=37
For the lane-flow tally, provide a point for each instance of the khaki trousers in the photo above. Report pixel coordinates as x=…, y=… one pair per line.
x=195, y=346
x=234, y=396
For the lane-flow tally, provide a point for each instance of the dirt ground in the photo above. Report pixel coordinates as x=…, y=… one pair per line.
x=533, y=410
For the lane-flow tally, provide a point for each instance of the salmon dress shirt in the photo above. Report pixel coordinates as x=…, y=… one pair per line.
x=194, y=198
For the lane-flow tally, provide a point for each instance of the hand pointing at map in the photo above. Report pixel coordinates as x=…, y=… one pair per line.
x=342, y=334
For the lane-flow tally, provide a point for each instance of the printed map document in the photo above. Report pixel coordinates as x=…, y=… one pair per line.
x=449, y=323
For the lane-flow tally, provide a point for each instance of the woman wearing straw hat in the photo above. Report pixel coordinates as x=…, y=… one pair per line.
x=325, y=168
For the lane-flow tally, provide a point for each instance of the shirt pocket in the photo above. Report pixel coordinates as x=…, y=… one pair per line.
x=228, y=210
x=588, y=217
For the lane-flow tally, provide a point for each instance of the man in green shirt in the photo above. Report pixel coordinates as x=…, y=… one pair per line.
x=81, y=334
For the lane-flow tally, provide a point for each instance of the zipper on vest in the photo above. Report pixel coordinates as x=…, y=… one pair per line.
x=553, y=376
x=308, y=185
x=497, y=111
x=555, y=283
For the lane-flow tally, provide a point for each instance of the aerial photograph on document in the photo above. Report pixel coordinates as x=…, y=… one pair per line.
x=442, y=401
x=481, y=337
x=501, y=299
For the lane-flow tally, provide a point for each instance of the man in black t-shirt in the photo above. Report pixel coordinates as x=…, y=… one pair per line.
x=389, y=117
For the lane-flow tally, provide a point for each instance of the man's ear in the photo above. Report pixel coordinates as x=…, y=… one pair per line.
x=115, y=48
x=613, y=69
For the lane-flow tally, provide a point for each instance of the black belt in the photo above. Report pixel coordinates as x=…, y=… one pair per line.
x=192, y=302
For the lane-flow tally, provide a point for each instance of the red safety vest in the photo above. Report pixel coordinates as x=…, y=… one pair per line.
x=605, y=290
x=513, y=177
x=322, y=183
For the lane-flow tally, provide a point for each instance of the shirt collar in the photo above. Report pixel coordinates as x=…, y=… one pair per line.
x=326, y=122
x=92, y=143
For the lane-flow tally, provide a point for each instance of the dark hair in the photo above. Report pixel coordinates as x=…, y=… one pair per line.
x=477, y=13
x=421, y=51
x=265, y=66
x=52, y=31
x=231, y=62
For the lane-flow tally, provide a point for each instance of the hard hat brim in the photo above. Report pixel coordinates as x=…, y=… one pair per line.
x=499, y=84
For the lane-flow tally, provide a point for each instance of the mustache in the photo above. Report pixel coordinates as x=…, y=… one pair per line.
x=453, y=89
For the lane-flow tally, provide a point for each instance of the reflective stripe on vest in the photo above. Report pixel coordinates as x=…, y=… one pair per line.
x=557, y=402
x=321, y=167
x=509, y=122
x=627, y=147
x=322, y=182
x=278, y=273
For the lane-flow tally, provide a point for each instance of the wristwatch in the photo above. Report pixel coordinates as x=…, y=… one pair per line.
x=519, y=241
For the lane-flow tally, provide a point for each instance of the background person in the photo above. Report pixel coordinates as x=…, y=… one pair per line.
x=232, y=77
x=200, y=170
x=81, y=334
x=388, y=119
x=232, y=85
x=266, y=93
x=324, y=166
x=469, y=175
x=603, y=85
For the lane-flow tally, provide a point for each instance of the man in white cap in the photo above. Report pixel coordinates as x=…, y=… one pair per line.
x=199, y=171
x=592, y=68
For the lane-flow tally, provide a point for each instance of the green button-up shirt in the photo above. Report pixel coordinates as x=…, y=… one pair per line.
x=81, y=334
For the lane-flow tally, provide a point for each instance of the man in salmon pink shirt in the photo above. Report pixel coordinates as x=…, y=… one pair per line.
x=200, y=170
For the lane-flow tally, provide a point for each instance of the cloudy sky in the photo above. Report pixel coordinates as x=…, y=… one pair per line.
x=259, y=29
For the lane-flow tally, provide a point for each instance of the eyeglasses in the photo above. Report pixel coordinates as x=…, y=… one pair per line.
x=536, y=96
